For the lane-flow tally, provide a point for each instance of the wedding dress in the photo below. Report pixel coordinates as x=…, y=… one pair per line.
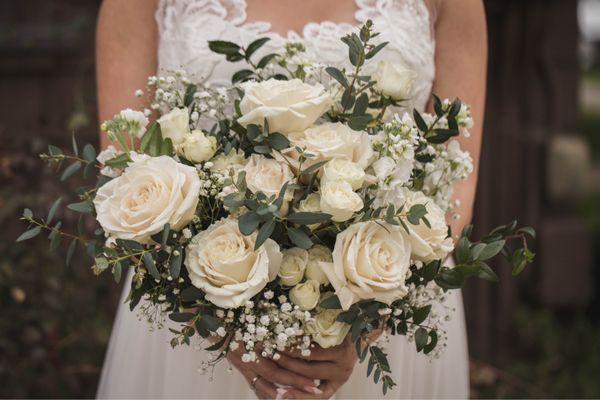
x=140, y=363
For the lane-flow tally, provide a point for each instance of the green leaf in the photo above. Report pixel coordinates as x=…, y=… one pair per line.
x=52, y=211
x=299, y=238
x=55, y=240
x=234, y=57
x=166, y=147
x=338, y=76
x=248, y=223
x=151, y=266
x=360, y=107
x=308, y=218
x=83, y=207
x=421, y=338
x=264, y=233
x=420, y=121
x=149, y=138
x=70, y=170
x=223, y=47
x=449, y=279
x=416, y=213
x=421, y=314
x=375, y=50
x=331, y=303
x=75, y=147
x=71, y=251
x=188, y=98
x=116, y=271
x=348, y=98
x=175, y=263
x=491, y=249
x=462, y=251
x=266, y=60
x=254, y=46
x=181, y=316
x=433, y=339
x=54, y=151
x=359, y=122
x=314, y=168
x=165, y=235
x=119, y=161
x=242, y=75
x=89, y=153
x=31, y=233
x=487, y=273
x=191, y=293
x=527, y=230
x=278, y=141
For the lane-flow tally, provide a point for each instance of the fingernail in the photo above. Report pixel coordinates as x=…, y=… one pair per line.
x=312, y=389
x=317, y=382
x=280, y=392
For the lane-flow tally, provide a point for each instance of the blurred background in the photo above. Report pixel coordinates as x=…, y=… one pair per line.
x=538, y=336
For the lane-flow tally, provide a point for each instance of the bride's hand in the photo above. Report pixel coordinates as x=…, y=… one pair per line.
x=263, y=377
x=332, y=366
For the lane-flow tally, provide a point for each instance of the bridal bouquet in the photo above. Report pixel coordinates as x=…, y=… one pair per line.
x=289, y=210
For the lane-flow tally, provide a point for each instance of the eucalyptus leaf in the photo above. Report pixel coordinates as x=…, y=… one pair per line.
x=29, y=234
x=70, y=170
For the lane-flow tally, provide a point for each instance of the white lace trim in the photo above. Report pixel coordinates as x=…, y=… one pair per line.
x=185, y=26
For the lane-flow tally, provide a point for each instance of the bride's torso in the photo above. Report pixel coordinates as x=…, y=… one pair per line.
x=185, y=27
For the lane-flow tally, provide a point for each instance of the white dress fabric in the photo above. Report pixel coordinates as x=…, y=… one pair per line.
x=140, y=363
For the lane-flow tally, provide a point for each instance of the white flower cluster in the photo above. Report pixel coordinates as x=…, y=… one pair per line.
x=450, y=165
x=274, y=323
x=395, y=146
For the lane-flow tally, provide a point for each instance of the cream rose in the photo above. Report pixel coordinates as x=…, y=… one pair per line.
x=428, y=243
x=316, y=255
x=394, y=80
x=293, y=266
x=306, y=295
x=340, y=169
x=339, y=200
x=312, y=203
x=267, y=175
x=288, y=106
x=232, y=161
x=197, y=147
x=223, y=263
x=370, y=261
x=331, y=140
x=175, y=125
x=326, y=330
x=151, y=192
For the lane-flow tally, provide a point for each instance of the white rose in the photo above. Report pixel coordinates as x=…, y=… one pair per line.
x=326, y=330
x=316, y=255
x=370, y=261
x=288, y=106
x=175, y=125
x=266, y=174
x=223, y=263
x=339, y=200
x=223, y=163
x=197, y=147
x=344, y=170
x=394, y=80
x=312, y=203
x=306, y=295
x=151, y=192
x=331, y=140
x=428, y=243
x=293, y=266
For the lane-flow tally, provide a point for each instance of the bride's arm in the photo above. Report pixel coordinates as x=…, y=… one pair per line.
x=126, y=43
x=461, y=69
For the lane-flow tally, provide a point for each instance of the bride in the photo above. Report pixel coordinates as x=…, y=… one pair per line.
x=443, y=41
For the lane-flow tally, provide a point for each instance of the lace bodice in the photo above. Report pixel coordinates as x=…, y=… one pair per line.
x=185, y=26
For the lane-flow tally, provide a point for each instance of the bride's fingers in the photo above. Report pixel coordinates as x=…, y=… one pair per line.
x=265, y=389
x=274, y=373
x=313, y=369
x=328, y=389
